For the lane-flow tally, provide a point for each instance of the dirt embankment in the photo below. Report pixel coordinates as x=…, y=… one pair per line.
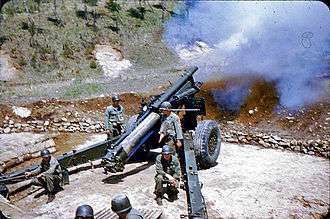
x=258, y=113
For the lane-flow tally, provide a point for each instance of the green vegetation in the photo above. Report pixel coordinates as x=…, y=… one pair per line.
x=52, y=40
x=79, y=89
x=113, y=6
x=93, y=64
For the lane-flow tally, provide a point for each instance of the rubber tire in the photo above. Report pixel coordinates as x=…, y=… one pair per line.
x=131, y=124
x=204, y=131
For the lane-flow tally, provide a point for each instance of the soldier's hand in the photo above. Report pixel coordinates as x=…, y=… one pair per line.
x=178, y=143
x=173, y=181
x=28, y=174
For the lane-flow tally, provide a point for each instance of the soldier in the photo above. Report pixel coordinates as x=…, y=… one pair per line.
x=84, y=212
x=49, y=174
x=170, y=130
x=114, y=118
x=167, y=173
x=121, y=205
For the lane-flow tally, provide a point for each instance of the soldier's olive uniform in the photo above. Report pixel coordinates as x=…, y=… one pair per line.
x=171, y=167
x=51, y=175
x=171, y=128
x=114, y=118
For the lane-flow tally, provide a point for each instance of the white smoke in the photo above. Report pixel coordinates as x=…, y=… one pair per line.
x=284, y=42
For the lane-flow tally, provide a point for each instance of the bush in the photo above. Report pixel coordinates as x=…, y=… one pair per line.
x=68, y=50
x=137, y=12
x=113, y=6
x=9, y=10
x=22, y=62
x=93, y=64
x=91, y=2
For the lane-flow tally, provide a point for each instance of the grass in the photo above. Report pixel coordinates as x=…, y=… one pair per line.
x=61, y=53
x=79, y=89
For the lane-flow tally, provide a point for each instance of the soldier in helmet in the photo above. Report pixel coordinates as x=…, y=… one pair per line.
x=167, y=173
x=48, y=174
x=84, y=212
x=170, y=132
x=114, y=118
x=121, y=205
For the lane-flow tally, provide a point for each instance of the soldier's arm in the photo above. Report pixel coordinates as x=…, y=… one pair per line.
x=177, y=170
x=163, y=130
x=159, y=166
x=178, y=129
x=36, y=171
x=52, y=167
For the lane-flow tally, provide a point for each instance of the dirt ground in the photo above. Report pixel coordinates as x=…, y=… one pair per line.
x=310, y=122
x=248, y=182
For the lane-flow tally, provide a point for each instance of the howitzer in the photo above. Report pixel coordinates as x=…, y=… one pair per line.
x=142, y=133
x=145, y=128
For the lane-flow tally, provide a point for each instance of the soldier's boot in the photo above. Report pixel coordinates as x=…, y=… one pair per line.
x=172, y=194
x=159, y=200
x=51, y=198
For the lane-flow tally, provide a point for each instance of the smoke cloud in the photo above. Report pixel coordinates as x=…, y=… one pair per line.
x=284, y=42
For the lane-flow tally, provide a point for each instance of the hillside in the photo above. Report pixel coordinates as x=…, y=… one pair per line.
x=70, y=49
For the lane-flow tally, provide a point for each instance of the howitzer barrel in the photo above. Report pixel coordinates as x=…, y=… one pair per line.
x=115, y=160
x=139, y=132
x=178, y=85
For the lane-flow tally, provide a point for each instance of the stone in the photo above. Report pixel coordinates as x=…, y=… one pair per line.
x=232, y=140
x=18, y=125
x=311, y=152
x=21, y=111
x=272, y=141
x=7, y=118
x=64, y=119
x=293, y=142
x=251, y=112
x=66, y=124
x=6, y=130
x=296, y=148
x=11, y=122
x=46, y=123
x=284, y=144
x=276, y=138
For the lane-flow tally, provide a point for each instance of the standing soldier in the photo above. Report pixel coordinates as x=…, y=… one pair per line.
x=49, y=174
x=170, y=130
x=167, y=173
x=114, y=118
x=121, y=205
x=84, y=212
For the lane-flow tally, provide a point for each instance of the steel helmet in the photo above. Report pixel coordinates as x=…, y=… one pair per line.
x=166, y=105
x=115, y=98
x=120, y=204
x=167, y=149
x=85, y=211
x=45, y=153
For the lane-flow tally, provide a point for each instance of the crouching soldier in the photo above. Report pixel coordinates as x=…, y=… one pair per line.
x=167, y=174
x=121, y=205
x=48, y=175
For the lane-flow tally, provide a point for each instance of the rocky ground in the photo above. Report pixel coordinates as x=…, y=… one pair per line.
x=248, y=182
